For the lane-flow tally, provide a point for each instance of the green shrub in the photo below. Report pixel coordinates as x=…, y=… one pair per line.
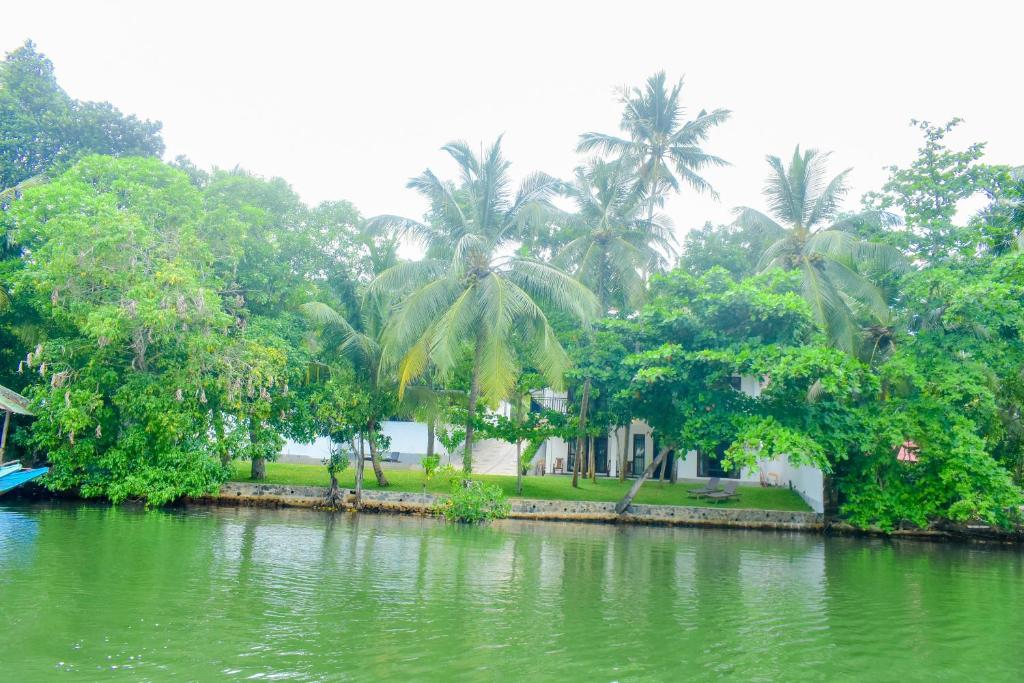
x=474, y=501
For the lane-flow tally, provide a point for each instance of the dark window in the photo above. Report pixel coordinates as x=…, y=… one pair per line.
x=710, y=464
x=639, y=454
x=736, y=382
x=601, y=455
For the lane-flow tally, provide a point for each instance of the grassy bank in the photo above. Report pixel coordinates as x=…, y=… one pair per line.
x=552, y=487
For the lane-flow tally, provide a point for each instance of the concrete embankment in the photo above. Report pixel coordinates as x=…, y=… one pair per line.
x=239, y=493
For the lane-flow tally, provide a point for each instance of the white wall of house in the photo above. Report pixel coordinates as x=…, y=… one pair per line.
x=406, y=437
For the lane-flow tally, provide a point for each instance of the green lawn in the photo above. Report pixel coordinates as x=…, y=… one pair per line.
x=551, y=487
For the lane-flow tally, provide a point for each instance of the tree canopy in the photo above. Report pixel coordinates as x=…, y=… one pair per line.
x=166, y=319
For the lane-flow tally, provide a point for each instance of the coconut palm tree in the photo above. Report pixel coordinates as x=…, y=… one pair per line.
x=472, y=293
x=810, y=236
x=617, y=242
x=359, y=343
x=667, y=148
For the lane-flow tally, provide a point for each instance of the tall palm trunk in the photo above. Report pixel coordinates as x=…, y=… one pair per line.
x=519, y=446
x=360, y=465
x=592, y=459
x=378, y=471
x=519, y=467
x=584, y=405
x=474, y=396
x=431, y=421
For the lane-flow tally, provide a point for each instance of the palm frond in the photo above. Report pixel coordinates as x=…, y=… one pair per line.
x=828, y=308
x=610, y=145
x=547, y=282
x=825, y=205
x=858, y=288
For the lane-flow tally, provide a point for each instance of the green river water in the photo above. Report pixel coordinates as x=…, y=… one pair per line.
x=99, y=593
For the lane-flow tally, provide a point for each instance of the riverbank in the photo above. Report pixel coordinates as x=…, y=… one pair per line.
x=550, y=487
x=553, y=498
x=420, y=503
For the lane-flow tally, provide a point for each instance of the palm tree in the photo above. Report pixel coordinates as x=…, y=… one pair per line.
x=810, y=236
x=360, y=344
x=617, y=244
x=471, y=293
x=667, y=148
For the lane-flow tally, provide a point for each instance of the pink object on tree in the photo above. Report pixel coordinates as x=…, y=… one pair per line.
x=908, y=452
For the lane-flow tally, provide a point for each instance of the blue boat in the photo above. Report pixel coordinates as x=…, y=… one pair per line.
x=12, y=474
x=10, y=478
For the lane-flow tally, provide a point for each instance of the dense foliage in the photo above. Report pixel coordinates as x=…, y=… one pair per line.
x=166, y=320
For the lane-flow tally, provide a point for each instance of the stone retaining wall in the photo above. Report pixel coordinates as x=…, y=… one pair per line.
x=239, y=493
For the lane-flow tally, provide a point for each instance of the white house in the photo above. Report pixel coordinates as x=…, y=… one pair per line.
x=557, y=456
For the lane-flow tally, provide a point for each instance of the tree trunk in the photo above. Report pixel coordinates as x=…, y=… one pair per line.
x=624, y=455
x=592, y=459
x=430, y=436
x=584, y=404
x=218, y=431
x=474, y=395
x=259, y=463
x=334, y=494
x=378, y=471
x=627, y=500
x=360, y=465
x=518, y=408
x=519, y=467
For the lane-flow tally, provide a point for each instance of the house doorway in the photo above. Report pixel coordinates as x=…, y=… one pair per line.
x=600, y=456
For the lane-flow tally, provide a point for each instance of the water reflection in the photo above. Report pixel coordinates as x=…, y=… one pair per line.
x=299, y=595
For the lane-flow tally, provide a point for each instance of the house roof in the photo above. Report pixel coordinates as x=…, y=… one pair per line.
x=13, y=401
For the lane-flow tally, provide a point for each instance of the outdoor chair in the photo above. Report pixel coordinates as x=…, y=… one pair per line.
x=725, y=494
x=710, y=487
x=559, y=466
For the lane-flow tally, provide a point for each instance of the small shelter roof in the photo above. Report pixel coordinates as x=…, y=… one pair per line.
x=13, y=401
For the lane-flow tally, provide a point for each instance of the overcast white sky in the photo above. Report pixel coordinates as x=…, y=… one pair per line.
x=348, y=100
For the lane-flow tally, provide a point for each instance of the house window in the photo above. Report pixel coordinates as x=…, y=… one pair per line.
x=736, y=382
x=710, y=464
x=639, y=454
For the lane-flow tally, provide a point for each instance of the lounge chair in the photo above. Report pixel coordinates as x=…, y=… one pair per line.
x=725, y=494
x=710, y=487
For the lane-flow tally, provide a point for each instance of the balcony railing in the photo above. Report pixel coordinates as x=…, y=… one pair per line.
x=556, y=403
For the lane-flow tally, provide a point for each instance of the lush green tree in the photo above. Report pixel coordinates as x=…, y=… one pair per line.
x=952, y=387
x=152, y=372
x=733, y=247
x=40, y=125
x=810, y=237
x=470, y=294
x=666, y=147
x=118, y=273
x=929, y=193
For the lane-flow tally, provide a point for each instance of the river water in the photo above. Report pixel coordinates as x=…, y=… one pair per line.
x=100, y=593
